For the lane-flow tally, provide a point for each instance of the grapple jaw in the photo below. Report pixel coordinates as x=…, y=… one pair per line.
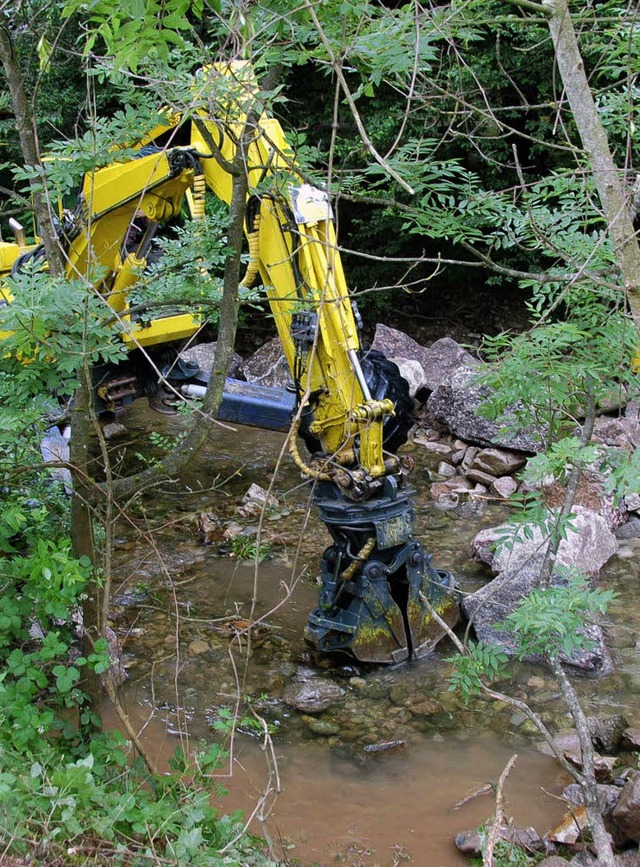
x=379, y=589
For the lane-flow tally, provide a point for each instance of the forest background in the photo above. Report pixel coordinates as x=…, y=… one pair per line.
x=482, y=164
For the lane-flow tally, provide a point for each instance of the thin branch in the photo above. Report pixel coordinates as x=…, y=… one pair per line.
x=530, y=6
x=337, y=67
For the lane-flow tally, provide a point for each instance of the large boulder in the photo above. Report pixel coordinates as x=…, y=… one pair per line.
x=268, y=366
x=497, y=462
x=586, y=548
x=594, y=492
x=623, y=433
x=203, y=354
x=488, y=607
x=443, y=358
x=412, y=371
x=438, y=361
x=457, y=403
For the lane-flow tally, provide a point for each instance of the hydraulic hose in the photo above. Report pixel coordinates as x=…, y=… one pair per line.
x=198, y=197
x=361, y=557
x=299, y=462
x=253, y=237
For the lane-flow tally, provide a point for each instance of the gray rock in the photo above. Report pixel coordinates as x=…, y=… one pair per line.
x=313, y=695
x=203, y=354
x=480, y=478
x=586, y=548
x=505, y=487
x=553, y=861
x=437, y=362
x=498, y=462
x=470, y=843
x=268, y=366
x=469, y=457
x=488, y=607
x=443, y=358
x=608, y=796
x=113, y=429
x=626, y=813
x=412, y=371
x=630, y=858
x=630, y=740
x=455, y=485
x=54, y=448
x=457, y=402
x=433, y=446
x=632, y=502
x=630, y=530
x=606, y=732
x=584, y=859
x=396, y=344
x=445, y=469
x=622, y=433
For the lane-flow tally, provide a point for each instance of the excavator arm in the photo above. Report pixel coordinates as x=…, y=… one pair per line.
x=379, y=589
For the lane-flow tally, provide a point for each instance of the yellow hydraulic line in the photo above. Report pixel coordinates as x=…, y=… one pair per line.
x=253, y=264
x=299, y=462
x=197, y=198
x=361, y=557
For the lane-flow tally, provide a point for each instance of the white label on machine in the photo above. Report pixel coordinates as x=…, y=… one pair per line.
x=310, y=205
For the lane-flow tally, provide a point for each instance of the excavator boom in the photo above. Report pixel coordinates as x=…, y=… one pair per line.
x=379, y=589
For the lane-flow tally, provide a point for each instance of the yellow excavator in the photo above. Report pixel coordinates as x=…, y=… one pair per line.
x=351, y=407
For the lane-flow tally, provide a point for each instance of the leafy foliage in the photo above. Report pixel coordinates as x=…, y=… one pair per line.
x=550, y=621
x=480, y=663
x=140, y=31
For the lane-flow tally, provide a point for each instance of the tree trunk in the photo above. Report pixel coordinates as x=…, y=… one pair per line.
x=26, y=126
x=606, y=174
x=599, y=833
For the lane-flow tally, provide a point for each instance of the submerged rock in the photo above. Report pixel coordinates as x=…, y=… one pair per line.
x=321, y=727
x=471, y=843
x=314, y=695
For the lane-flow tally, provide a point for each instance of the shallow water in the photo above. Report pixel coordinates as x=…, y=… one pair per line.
x=188, y=659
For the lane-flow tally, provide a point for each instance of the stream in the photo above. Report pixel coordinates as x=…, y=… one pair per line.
x=323, y=790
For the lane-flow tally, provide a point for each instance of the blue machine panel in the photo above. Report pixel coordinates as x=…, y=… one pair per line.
x=258, y=405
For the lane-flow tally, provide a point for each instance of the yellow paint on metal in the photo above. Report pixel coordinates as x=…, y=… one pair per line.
x=163, y=330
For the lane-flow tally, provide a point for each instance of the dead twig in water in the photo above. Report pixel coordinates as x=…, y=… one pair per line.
x=487, y=789
x=494, y=828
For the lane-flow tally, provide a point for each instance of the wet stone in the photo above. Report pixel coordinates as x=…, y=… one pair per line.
x=606, y=732
x=313, y=696
x=198, y=647
x=446, y=470
x=398, y=694
x=630, y=740
x=320, y=727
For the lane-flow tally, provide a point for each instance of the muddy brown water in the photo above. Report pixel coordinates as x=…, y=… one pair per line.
x=339, y=802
